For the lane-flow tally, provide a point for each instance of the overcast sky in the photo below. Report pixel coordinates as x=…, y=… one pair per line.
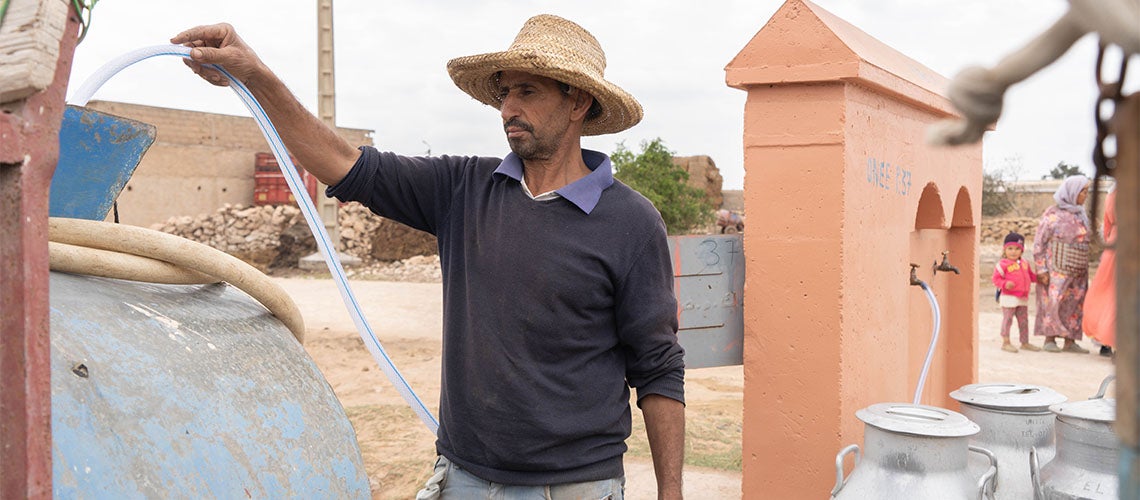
x=391, y=75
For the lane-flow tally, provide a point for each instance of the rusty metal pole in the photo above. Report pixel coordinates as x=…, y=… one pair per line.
x=1127, y=174
x=29, y=148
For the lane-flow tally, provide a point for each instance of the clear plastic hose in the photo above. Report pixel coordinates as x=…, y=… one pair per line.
x=293, y=179
x=933, y=342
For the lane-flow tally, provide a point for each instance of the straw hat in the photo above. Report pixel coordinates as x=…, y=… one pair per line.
x=553, y=47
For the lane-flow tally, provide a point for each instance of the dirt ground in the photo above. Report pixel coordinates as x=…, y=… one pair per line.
x=398, y=450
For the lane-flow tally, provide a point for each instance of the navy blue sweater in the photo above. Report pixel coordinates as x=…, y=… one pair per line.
x=552, y=311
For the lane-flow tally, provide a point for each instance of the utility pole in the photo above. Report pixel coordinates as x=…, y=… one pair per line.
x=326, y=111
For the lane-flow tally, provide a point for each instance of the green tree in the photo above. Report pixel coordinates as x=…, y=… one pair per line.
x=653, y=174
x=1063, y=170
x=996, y=199
x=998, y=189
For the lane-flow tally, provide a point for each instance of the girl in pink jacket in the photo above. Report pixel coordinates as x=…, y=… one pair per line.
x=1012, y=277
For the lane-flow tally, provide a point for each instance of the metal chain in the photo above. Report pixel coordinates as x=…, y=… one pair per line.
x=1103, y=163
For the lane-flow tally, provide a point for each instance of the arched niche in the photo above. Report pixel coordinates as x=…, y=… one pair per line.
x=930, y=214
x=963, y=210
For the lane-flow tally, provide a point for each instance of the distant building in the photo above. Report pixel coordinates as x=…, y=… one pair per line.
x=199, y=162
x=1031, y=198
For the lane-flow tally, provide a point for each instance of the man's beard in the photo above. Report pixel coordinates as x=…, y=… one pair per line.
x=533, y=147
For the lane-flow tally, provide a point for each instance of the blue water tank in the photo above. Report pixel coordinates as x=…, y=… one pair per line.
x=189, y=391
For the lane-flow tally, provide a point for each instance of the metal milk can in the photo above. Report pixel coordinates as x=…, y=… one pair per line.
x=1087, y=453
x=1014, y=418
x=913, y=452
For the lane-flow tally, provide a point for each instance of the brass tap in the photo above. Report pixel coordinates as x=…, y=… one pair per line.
x=914, y=281
x=945, y=265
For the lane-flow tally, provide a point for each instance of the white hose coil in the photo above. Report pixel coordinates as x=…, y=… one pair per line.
x=122, y=251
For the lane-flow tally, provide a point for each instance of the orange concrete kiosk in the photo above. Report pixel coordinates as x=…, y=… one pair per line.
x=843, y=195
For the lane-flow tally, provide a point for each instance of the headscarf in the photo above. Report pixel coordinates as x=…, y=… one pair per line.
x=1066, y=196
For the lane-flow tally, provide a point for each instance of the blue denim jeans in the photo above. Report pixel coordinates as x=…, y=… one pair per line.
x=449, y=482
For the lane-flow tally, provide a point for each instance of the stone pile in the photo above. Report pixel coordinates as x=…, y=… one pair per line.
x=421, y=269
x=994, y=230
x=236, y=229
x=274, y=237
x=356, y=223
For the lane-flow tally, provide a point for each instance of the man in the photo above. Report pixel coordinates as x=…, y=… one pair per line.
x=557, y=279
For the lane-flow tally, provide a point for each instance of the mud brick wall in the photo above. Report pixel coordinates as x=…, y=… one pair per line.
x=199, y=162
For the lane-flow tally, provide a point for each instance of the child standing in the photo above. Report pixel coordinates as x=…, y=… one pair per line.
x=1012, y=277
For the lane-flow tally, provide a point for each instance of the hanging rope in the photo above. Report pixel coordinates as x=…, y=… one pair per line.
x=83, y=9
x=977, y=92
x=3, y=11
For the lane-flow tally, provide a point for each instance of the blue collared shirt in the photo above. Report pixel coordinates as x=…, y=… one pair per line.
x=583, y=193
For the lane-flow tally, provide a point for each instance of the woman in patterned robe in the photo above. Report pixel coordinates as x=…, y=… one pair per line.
x=1061, y=255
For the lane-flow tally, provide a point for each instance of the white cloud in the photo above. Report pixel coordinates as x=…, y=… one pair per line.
x=671, y=54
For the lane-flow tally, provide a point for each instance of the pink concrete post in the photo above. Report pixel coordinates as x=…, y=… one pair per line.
x=29, y=148
x=845, y=195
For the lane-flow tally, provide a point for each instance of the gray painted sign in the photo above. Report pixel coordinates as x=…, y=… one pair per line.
x=709, y=283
